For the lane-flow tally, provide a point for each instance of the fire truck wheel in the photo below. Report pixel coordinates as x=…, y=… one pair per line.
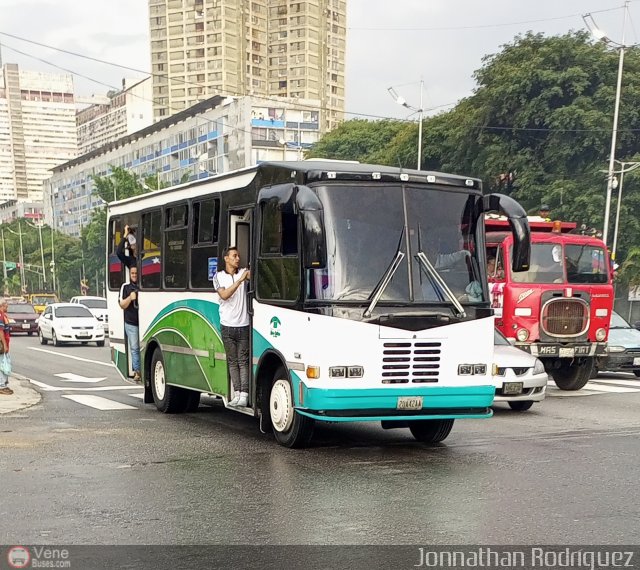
x=574, y=374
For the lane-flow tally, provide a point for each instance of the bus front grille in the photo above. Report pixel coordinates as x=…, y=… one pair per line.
x=410, y=362
x=565, y=317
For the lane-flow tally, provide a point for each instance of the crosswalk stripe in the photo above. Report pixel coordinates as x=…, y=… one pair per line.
x=605, y=388
x=630, y=383
x=140, y=395
x=98, y=402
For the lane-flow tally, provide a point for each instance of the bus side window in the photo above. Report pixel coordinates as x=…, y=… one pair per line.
x=150, y=252
x=278, y=276
x=204, y=242
x=116, y=273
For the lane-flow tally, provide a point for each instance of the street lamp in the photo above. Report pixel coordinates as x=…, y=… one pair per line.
x=401, y=101
x=600, y=35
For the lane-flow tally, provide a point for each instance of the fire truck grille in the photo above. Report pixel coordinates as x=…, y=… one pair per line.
x=565, y=317
x=415, y=362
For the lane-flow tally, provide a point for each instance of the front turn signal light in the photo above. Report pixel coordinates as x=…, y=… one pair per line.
x=313, y=372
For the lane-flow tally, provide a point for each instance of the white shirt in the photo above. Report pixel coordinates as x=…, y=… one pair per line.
x=233, y=311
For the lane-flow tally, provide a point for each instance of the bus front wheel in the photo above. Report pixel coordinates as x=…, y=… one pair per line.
x=290, y=428
x=168, y=399
x=430, y=431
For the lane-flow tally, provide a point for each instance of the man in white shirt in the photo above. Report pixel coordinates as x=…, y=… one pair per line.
x=234, y=323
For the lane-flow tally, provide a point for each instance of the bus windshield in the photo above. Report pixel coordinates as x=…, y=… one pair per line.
x=583, y=264
x=366, y=226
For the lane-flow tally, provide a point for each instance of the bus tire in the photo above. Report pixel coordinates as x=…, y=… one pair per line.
x=520, y=406
x=430, y=431
x=290, y=428
x=574, y=375
x=168, y=399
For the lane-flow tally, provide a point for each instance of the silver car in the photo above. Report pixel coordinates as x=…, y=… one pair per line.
x=520, y=379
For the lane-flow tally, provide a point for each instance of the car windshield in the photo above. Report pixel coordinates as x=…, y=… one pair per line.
x=22, y=308
x=366, y=227
x=617, y=322
x=43, y=300
x=499, y=339
x=72, y=312
x=94, y=303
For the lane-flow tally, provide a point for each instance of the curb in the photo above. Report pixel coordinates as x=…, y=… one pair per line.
x=24, y=396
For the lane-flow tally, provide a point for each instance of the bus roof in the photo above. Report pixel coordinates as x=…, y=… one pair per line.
x=302, y=172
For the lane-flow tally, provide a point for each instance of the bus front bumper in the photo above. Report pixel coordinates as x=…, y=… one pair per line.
x=374, y=404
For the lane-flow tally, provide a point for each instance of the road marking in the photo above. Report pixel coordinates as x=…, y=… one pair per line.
x=98, y=402
x=630, y=383
x=109, y=364
x=140, y=395
x=70, y=377
x=605, y=388
x=49, y=388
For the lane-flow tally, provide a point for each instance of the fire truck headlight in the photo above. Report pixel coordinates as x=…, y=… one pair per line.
x=522, y=335
x=601, y=334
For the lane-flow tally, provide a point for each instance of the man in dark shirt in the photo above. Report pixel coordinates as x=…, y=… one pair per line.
x=129, y=303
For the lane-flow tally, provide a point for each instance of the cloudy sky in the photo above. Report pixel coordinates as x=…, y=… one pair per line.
x=389, y=42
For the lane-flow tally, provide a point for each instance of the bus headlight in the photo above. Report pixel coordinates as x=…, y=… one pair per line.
x=601, y=334
x=522, y=335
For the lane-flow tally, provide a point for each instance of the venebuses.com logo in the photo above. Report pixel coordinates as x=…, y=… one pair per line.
x=18, y=557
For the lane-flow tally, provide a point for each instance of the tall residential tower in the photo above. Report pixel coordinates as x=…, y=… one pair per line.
x=268, y=48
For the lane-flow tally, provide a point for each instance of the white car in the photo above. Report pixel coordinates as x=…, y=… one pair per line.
x=69, y=322
x=520, y=379
x=97, y=306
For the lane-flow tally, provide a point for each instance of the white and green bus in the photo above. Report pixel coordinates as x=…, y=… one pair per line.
x=368, y=295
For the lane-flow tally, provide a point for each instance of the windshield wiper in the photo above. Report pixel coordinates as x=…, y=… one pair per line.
x=435, y=278
x=383, y=283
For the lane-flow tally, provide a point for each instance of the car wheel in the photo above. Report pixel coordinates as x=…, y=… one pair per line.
x=637, y=373
x=42, y=339
x=54, y=338
x=100, y=343
x=521, y=406
x=430, y=431
x=30, y=333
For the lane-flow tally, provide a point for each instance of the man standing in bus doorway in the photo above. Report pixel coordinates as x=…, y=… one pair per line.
x=234, y=323
x=129, y=303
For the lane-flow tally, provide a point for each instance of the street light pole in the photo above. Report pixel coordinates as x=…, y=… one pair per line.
x=401, y=101
x=44, y=272
x=600, y=35
x=623, y=169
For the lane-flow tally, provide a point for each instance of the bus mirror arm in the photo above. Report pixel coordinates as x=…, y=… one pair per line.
x=517, y=217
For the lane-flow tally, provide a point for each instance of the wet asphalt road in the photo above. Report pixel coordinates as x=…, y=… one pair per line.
x=565, y=472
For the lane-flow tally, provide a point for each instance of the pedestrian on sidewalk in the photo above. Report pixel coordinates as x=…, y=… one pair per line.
x=5, y=337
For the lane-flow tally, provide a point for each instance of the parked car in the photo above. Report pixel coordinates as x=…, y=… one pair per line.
x=22, y=318
x=623, y=348
x=97, y=306
x=520, y=379
x=69, y=322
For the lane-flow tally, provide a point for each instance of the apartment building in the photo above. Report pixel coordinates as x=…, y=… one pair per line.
x=210, y=138
x=268, y=48
x=37, y=130
x=122, y=113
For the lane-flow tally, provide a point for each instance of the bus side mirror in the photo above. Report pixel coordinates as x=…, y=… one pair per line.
x=314, y=249
x=519, y=223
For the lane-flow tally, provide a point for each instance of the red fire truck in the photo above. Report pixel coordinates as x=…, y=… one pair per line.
x=559, y=310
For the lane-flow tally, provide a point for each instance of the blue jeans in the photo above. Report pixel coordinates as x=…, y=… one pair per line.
x=134, y=345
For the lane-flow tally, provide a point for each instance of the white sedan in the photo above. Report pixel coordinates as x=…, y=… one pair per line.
x=520, y=379
x=66, y=322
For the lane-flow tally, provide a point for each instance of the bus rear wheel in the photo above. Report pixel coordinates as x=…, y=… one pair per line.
x=431, y=431
x=168, y=399
x=290, y=428
x=573, y=375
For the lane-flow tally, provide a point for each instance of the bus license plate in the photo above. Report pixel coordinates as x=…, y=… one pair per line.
x=409, y=403
x=566, y=353
x=512, y=388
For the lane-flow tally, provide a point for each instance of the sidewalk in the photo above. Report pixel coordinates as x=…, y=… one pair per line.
x=24, y=396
